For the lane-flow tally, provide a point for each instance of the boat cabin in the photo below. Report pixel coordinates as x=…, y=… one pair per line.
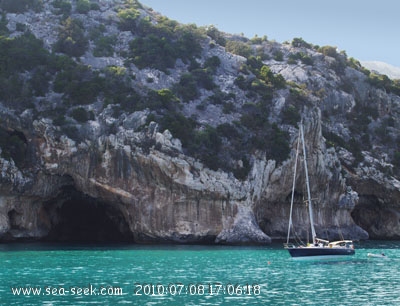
x=348, y=244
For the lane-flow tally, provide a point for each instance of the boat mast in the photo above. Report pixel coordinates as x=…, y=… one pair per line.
x=293, y=187
x=308, y=185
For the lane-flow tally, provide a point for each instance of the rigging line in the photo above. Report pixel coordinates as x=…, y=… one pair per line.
x=293, y=187
x=298, y=240
x=297, y=237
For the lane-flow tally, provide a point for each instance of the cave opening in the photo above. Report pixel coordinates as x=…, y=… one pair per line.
x=76, y=217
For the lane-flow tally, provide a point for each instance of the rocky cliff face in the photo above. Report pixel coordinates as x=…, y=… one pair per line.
x=122, y=174
x=147, y=195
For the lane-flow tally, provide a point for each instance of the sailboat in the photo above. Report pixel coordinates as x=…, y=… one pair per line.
x=318, y=248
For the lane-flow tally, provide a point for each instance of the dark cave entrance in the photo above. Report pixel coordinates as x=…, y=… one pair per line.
x=376, y=217
x=76, y=217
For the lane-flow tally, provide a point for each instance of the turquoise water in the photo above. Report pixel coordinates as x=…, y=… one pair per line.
x=194, y=275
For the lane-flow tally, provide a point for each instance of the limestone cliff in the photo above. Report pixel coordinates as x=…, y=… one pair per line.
x=196, y=145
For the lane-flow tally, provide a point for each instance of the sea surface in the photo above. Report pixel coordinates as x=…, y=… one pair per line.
x=84, y=274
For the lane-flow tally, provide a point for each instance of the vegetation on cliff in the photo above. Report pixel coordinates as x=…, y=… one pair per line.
x=53, y=81
x=30, y=70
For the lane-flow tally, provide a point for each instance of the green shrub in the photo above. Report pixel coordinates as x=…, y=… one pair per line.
x=258, y=40
x=238, y=48
x=261, y=135
x=20, y=27
x=298, y=95
x=254, y=117
x=353, y=63
x=153, y=52
x=290, y=115
x=146, y=27
x=61, y=62
x=166, y=96
x=278, y=56
x=379, y=80
x=83, y=92
x=333, y=140
x=180, y=127
x=395, y=87
x=59, y=119
x=160, y=45
x=116, y=87
x=277, y=144
x=21, y=53
x=212, y=63
x=40, y=81
x=128, y=19
x=78, y=84
x=220, y=98
x=241, y=82
x=80, y=114
x=263, y=89
x=268, y=77
x=188, y=43
x=255, y=63
x=71, y=38
x=83, y=6
x=216, y=35
x=266, y=74
x=104, y=46
x=203, y=78
x=163, y=99
x=96, y=32
x=382, y=81
x=303, y=57
x=329, y=51
x=15, y=91
x=301, y=43
x=133, y=3
x=353, y=146
x=279, y=81
x=227, y=130
x=94, y=6
x=187, y=87
x=228, y=108
x=360, y=117
x=63, y=7
x=205, y=145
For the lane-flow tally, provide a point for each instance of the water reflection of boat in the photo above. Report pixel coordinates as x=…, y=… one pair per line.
x=381, y=255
